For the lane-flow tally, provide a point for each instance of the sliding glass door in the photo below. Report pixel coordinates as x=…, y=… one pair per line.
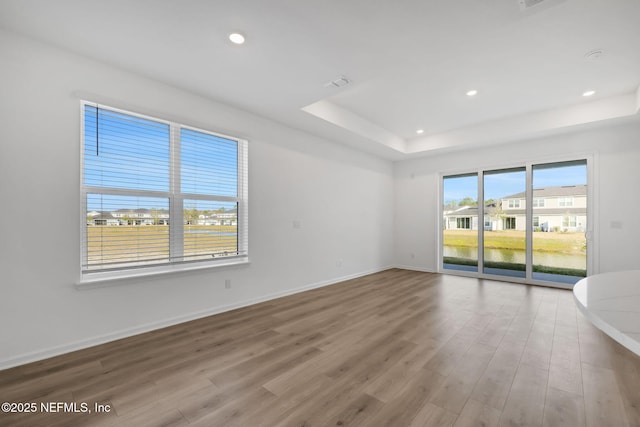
x=533, y=224
x=460, y=222
x=559, y=221
x=504, y=234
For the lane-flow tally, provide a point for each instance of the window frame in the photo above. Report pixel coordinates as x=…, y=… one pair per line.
x=176, y=198
x=538, y=202
x=535, y=221
x=464, y=220
x=567, y=220
x=565, y=202
x=510, y=223
x=590, y=227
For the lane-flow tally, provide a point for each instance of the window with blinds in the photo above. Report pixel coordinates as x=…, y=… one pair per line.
x=159, y=193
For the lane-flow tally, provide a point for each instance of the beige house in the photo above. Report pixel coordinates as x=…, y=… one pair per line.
x=554, y=209
x=142, y=216
x=229, y=217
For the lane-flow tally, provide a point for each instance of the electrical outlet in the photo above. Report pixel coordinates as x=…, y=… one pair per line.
x=227, y=283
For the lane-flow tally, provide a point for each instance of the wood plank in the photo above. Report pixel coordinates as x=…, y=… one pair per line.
x=495, y=383
x=392, y=380
x=602, y=399
x=410, y=401
x=452, y=395
x=563, y=409
x=627, y=371
x=357, y=413
x=525, y=404
x=565, y=372
x=431, y=415
x=396, y=348
x=475, y=413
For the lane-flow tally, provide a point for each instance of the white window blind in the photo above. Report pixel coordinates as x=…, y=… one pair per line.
x=159, y=193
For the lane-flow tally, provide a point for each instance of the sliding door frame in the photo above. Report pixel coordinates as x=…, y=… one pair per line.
x=591, y=232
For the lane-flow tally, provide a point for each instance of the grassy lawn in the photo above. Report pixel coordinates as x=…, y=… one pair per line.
x=148, y=242
x=565, y=243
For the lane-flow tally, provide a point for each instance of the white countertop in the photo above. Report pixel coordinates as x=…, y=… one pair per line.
x=611, y=301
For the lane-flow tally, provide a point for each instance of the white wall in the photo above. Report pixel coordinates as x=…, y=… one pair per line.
x=342, y=198
x=616, y=152
x=353, y=208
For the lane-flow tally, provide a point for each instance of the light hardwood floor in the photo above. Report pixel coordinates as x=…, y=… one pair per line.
x=397, y=348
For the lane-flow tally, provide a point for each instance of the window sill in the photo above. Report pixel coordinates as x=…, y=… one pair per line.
x=100, y=279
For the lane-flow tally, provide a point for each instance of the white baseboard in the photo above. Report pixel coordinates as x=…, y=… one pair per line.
x=413, y=268
x=125, y=333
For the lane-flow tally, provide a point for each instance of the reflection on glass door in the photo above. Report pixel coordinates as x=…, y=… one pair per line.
x=460, y=222
x=504, y=232
x=533, y=224
x=559, y=221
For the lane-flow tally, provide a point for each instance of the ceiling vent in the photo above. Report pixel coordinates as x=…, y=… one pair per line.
x=526, y=4
x=538, y=5
x=341, y=81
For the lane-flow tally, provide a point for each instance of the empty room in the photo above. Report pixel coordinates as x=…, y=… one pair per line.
x=320, y=213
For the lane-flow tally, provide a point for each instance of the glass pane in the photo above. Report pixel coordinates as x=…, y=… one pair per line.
x=505, y=222
x=560, y=206
x=210, y=229
x=124, y=151
x=126, y=231
x=460, y=222
x=209, y=164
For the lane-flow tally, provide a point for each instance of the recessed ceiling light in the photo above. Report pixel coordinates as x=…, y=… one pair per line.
x=589, y=93
x=472, y=92
x=236, y=38
x=420, y=131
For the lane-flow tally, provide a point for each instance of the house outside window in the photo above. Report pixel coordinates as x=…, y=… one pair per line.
x=510, y=223
x=565, y=202
x=513, y=203
x=569, y=222
x=159, y=194
x=464, y=223
x=536, y=221
x=538, y=203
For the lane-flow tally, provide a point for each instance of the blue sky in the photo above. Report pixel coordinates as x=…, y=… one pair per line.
x=123, y=151
x=507, y=183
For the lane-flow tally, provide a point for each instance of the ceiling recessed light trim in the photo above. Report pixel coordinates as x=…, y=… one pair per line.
x=472, y=92
x=420, y=131
x=237, y=38
x=588, y=93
